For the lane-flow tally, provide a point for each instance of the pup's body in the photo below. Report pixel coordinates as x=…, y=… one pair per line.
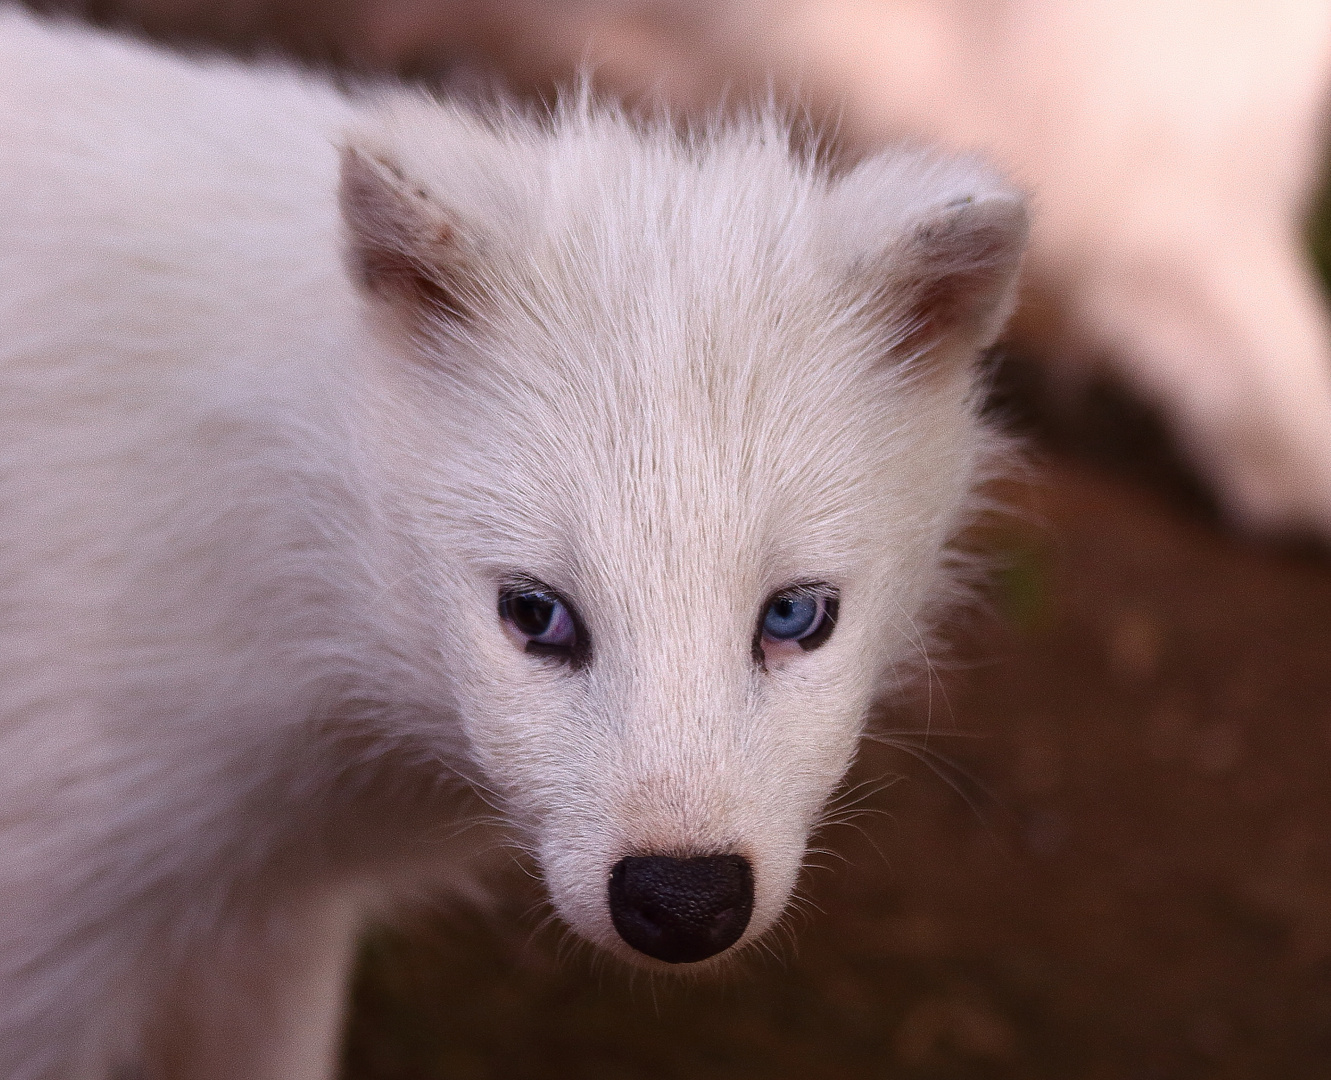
x=276, y=447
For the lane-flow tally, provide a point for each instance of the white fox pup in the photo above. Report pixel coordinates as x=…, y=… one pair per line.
x=353, y=445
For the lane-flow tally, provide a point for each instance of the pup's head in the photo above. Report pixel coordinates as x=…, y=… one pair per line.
x=685, y=427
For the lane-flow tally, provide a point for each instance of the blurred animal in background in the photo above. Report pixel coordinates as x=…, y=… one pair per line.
x=1172, y=147
x=354, y=447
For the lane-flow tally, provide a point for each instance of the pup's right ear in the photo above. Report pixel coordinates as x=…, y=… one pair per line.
x=406, y=248
x=936, y=247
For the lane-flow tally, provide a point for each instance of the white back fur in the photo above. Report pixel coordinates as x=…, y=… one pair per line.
x=267, y=461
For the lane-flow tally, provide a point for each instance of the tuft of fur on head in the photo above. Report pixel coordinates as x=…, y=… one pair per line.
x=666, y=376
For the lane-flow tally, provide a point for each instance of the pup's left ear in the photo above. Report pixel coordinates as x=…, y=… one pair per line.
x=942, y=275
x=405, y=248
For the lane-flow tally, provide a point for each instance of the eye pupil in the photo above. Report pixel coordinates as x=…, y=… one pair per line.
x=531, y=613
x=545, y=623
x=792, y=616
x=803, y=615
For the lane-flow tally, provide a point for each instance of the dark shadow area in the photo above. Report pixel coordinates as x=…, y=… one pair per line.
x=1104, y=425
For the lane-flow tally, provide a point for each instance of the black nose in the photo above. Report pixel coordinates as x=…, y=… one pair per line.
x=681, y=910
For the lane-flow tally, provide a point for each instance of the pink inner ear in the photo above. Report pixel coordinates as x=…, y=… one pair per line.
x=419, y=286
x=404, y=248
x=953, y=276
x=954, y=301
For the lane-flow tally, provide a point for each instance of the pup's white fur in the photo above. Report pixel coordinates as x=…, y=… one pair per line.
x=267, y=459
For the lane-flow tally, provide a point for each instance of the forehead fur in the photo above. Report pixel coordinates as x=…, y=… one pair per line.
x=675, y=342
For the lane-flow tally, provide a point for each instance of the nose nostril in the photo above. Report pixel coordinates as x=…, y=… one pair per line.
x=681, y=910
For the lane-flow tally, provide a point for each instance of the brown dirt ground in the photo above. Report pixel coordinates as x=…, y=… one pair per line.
x=1130, y=877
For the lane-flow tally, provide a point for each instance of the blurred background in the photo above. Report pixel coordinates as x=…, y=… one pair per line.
x=1096, y=846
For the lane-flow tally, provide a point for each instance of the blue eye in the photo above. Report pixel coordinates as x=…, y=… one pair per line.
x=791, y=616
x=802, y=615
x=546, y=620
